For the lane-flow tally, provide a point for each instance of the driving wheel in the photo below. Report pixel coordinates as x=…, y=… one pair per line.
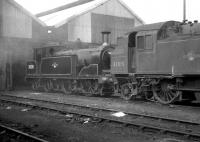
x=165, y=92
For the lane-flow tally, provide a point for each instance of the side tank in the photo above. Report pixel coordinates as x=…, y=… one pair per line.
x=90, y=61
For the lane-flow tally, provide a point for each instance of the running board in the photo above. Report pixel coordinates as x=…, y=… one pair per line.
x=189, y=89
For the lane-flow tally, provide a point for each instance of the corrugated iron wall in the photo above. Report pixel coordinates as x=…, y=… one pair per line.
x=15, y=23
x=59, y=34
x=1, y=18
x=80, y=28
x=20, y=33
x=118, y=26
x=14, y=52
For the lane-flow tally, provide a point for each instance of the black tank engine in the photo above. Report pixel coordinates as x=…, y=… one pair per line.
x=70, y=70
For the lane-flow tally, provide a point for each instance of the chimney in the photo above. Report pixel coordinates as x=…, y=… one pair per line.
x=105, y=37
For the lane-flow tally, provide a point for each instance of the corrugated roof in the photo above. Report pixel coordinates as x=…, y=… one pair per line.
x=59, y=18
x=68, y=4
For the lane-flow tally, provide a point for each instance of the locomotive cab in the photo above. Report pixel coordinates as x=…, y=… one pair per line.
x=123, y=58
x=163, y=65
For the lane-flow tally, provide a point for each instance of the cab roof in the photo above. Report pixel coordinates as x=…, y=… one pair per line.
x=154, y=26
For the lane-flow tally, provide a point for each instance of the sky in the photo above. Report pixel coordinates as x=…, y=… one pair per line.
x=150, y=11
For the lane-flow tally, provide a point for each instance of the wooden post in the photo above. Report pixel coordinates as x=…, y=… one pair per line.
x=8, y=72
x=2, y=70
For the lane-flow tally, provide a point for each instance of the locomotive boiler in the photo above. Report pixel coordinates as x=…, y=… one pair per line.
x=160, y=62
x=70, y=70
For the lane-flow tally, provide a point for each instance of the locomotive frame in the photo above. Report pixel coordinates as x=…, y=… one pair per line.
x=159, y=73
x=158, y=62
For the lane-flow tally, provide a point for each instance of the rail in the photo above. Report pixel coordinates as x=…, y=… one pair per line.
x=142, y=121
x=17, y=135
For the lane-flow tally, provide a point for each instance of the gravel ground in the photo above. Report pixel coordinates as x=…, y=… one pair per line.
x=56, y=127
x=171, y=111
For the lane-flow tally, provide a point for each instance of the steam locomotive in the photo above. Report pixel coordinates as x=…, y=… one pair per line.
x=159, y=62
x=70, y=68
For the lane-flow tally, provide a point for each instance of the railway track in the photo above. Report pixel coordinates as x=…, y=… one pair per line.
x=10, y=134
x=188, y=129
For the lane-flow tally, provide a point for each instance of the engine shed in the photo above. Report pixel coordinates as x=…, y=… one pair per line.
x=86, y=22
x=20, y=31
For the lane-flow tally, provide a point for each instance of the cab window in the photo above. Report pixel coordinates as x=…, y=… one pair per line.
x=140, y=42
x=145, y=42
x=148, y=42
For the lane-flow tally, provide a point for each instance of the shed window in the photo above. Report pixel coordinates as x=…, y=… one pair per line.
x=148, y=42
x=140, y=42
